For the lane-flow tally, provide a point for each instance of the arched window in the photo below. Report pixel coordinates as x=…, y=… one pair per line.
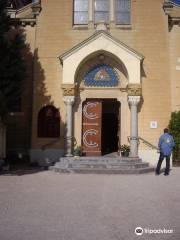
x=49, y=122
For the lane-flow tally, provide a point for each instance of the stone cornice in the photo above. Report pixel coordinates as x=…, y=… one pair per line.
x=173, y=12
x=26, y=15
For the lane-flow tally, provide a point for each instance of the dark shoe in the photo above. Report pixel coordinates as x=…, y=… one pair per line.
x=157, y=173
x=166, y=174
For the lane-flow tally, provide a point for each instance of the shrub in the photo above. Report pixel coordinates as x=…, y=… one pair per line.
x=174, y=129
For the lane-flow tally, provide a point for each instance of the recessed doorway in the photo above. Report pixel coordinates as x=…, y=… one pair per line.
x=100, y=126
x=110, y=126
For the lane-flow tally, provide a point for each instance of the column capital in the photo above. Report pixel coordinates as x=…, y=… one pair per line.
x=134, y=89
x=69, y=89
x=69, y=100
x=134, y=100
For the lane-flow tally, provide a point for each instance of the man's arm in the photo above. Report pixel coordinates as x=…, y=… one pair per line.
x=160, y=142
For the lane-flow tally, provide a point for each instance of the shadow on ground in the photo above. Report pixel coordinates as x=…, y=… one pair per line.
x=22, y=169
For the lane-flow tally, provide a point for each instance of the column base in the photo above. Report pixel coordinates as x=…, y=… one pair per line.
x=69, y=155
x=133, y=156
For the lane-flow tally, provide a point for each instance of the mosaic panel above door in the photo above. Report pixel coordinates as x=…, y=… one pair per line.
x=101, y=76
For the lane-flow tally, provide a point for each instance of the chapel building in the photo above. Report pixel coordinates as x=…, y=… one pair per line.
x=101, y=73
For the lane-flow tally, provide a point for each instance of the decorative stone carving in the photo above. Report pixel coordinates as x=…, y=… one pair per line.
x=134, y=90
x=69, y=89
x=101, y=26
x=133, y=100
x=69, y=100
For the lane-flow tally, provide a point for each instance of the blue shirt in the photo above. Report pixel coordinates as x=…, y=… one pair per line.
x=166, y=144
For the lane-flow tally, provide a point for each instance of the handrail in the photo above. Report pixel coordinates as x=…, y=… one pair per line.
x=146, y=143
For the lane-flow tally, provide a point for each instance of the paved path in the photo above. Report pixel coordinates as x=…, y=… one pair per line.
x=49, y=206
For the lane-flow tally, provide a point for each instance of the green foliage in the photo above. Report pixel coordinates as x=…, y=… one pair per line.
x=78, y=150
x=174, y=128
x=12, y=64
x=124, y=148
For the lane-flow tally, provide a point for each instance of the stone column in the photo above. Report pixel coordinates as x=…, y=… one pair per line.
x=133, y=102
x=69, y=101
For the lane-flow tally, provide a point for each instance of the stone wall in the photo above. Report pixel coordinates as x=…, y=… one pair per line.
x=148, y=35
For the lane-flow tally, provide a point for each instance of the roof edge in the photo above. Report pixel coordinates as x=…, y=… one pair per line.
x=78, y=46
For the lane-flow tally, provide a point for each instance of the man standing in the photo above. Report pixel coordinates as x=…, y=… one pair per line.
x=166, y=144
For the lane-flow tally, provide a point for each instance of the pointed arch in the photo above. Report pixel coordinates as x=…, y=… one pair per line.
x=101, y=41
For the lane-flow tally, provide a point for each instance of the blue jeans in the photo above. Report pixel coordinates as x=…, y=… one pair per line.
x=161, y=158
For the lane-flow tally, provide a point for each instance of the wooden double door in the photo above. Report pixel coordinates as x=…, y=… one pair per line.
x=100, y=126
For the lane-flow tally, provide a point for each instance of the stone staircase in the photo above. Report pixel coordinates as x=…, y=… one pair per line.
x=102, y=165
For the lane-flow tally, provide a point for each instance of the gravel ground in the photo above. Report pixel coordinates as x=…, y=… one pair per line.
x=51, y=206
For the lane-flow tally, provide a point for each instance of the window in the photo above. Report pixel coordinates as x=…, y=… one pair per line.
x=122, y=11
x=94, y=11
x=49, y=122
x=101, y=11
x=80, y=12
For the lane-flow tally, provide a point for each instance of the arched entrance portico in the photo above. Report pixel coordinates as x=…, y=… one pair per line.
x=73, y=61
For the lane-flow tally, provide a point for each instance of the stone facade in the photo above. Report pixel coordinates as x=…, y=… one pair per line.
x=153, y=73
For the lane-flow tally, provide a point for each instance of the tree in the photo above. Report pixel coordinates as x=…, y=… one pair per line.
x=174, y=127
x=12, y=65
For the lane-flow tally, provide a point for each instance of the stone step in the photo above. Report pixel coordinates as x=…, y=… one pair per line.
x=100, y=159
x=106, y=165
x=104, y=171
x=109, y=165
